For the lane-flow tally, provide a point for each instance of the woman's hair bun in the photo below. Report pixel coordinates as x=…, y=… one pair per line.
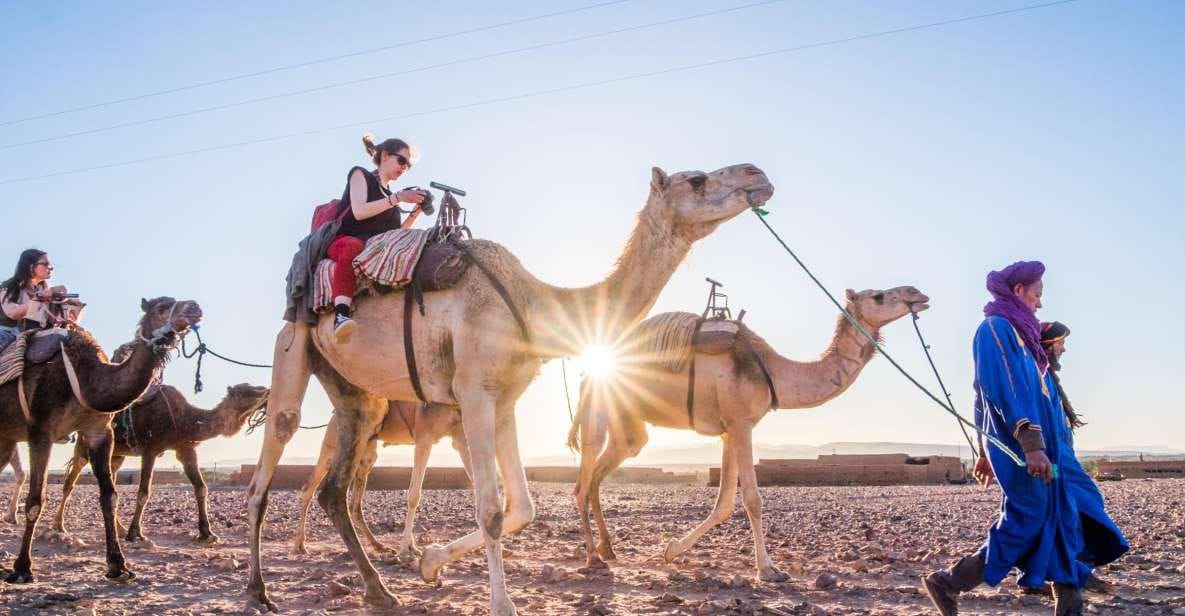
x=368, y=143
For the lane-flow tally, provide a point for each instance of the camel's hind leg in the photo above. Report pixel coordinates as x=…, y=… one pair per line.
x=39, y=448
x=725, y=504
x=407, y=541
x=627, y=436
x=592, y=428
x=147, y=464
x=360, y=415
x=358, y=491
x=292, y=367
x=742, y=448
x=73, y=470
x=18, y=483
x=328, y=447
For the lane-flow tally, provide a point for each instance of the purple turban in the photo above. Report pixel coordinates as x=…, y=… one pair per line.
x=1006, y=304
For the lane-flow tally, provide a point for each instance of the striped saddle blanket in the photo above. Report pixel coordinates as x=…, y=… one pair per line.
x=12, y=358
x=388, y=260
x=670, y=339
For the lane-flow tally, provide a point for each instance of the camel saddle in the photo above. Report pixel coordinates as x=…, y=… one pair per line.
x=45, y=345
x=715, y=336
x=440, y=266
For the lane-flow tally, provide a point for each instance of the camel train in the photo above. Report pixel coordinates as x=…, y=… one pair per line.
x=480, y=337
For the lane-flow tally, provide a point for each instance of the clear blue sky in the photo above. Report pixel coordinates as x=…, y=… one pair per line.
x=924, y=158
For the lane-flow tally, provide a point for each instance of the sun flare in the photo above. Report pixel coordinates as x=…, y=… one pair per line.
x=598, y=361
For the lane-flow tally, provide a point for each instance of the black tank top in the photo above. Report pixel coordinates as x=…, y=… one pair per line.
x=366, y=229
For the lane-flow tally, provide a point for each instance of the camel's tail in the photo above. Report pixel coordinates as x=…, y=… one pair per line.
x=580, y=418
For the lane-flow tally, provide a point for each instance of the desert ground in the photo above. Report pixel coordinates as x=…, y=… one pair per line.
x=852, y=550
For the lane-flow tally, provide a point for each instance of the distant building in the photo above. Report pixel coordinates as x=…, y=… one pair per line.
x=1142, y=469
x=843, y=470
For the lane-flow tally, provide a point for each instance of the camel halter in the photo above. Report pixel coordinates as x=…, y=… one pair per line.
x=761, y=214
x=159, y=335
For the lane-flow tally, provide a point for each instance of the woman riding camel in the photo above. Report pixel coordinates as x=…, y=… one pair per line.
x=371, y=209
x=24, y=297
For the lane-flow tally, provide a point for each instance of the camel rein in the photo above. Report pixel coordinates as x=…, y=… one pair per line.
x=949, y=408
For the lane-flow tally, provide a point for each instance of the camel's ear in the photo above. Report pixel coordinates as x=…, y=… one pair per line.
x=851, y=295
x=143, y=305
x=658, y=179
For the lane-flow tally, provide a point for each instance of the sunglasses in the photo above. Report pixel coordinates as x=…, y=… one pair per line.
x=45, y=263
x=402, y=160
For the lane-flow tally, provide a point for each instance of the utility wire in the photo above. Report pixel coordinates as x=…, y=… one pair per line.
x=421, y=69
x=549, y=91
x=288, y=67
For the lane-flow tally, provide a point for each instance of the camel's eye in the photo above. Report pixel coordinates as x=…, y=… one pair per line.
x=697, y=181
x=879, y=297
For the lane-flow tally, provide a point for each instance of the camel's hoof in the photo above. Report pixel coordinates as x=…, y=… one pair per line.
x=209, y=539
x=120, y=576
x=382, y=599
x=19, y=577
x=595, y=562
x=300, y=550
x=771, y=575
x=502, y=608
x=431, y=563
x=140, y=541
x=260, y=601
x=10, y=520
x=670, y=554
x=408, y=552
x=606, y=552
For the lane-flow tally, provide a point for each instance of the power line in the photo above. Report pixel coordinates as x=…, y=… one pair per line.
x=421, y=69
x=549, y=91
x=287, y=67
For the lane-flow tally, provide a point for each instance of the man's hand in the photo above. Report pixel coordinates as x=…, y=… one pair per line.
x=1039, y=465
x=983, y=472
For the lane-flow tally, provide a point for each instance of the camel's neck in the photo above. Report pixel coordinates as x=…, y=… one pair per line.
x=564, y=321
x=109, y=387
x=226, y=419
x=807, y=384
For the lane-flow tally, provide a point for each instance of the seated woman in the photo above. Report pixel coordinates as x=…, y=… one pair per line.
x=372, y=209
x=24, y=297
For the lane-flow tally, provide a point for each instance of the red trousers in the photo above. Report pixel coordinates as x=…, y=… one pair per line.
x=342, y=250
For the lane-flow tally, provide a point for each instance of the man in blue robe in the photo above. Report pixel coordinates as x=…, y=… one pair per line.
x=1052, y=526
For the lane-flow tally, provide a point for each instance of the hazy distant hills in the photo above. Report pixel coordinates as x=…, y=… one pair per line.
x=708, y=454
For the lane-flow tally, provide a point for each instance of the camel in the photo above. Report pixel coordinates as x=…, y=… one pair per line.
x=406, y=423
x=478, y=345
x=731, y=395
x=166, y=421
x=18, y=481
x=80, y=391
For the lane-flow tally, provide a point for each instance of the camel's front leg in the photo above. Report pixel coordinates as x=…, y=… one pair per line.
x=478, y=418
x=328, y=449
x=407, y=542
x=100, y=447
x=18, y=483
x=627, y=436
x=147, y=463
x=189, y=462
x=725, y=504
x=592, y=442
x=73, y=470
x=358, y=492
x=39, y=448
x=354, y=431
x=290, y=378
x=742, y=448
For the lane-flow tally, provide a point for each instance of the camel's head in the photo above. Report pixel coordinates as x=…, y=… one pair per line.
x=244, y=400
x=879, y=308
x=697, y=202
x=166, y=320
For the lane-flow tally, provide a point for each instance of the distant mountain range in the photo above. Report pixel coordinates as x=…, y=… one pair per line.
x=708, y=454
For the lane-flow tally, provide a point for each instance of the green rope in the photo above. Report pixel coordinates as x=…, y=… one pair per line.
x=761, y=214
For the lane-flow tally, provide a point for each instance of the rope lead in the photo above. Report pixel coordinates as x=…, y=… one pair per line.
x=761, y=214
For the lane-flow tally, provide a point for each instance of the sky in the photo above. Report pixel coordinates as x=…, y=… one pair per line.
x=927, y=157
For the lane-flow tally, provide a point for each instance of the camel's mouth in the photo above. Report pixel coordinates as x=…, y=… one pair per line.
x=920, y=305
x=758, y=196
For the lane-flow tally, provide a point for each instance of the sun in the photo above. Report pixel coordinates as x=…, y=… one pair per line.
x=597, y=361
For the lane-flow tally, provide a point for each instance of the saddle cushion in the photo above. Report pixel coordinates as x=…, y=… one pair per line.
x=12, y=358
x=45, y=345
x=441, y=266
x=387, y=260
x=716, y=337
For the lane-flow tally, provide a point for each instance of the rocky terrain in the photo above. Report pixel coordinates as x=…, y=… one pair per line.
x=853, y=550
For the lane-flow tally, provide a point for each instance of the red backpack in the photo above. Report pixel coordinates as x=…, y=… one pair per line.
x=328, y=212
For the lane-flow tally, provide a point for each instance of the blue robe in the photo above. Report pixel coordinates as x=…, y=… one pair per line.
x=1052, y=533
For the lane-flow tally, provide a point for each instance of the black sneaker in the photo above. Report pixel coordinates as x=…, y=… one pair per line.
x=343, y=327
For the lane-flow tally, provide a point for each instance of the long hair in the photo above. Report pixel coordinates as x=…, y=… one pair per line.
x=390, y=146
x=24, y=266
x=1071, y=414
